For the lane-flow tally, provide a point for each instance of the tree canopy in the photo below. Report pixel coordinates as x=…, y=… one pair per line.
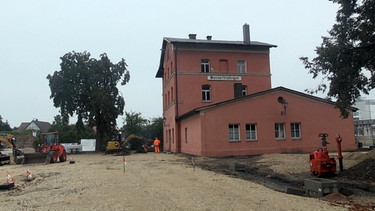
x=346, y=58
x=4, y=126
x=87, y=87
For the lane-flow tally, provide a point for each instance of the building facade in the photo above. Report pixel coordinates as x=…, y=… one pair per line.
x=218, y=101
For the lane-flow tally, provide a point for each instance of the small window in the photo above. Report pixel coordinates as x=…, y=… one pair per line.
x=205, y=65
x=244, y=90
x=280, y=131
x=295, y=129
x=206, y=93
x=234, y=132
x=251, y=132
x=241, y=66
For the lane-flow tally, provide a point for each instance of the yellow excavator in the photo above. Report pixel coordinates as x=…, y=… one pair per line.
x=116, y=145
x=7, y=146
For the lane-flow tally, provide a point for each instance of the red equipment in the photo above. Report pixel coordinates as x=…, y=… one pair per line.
x=53, y=148
x=320, y=162
x=48, y=152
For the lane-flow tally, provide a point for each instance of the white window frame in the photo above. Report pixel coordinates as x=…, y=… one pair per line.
x=295, y=130
x=241, y=66
x=244, y=90
x=234, y=132
x=206, y=93
x=205, y=65
x=280, y=131
x=251, y=132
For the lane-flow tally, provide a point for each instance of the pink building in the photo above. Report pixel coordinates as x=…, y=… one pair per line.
x=218, y=101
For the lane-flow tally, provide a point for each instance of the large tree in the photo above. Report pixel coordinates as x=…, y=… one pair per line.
x=87, y=87
x=346, y=58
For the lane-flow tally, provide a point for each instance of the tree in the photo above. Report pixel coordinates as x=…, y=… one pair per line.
x=87, y=88
x=134, y=123
x=346, y=58
x=4, y=126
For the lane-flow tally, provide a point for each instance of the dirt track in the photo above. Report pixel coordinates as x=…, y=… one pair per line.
x=150, y=182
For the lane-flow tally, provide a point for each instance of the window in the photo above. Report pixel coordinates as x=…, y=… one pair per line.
x=295, y=129
x=186, y=131
x=205, y=65
x=244, y=90
x=241, y=66
x=251, y=132
x=206, y=93
x=280, y=131
x=234, y=132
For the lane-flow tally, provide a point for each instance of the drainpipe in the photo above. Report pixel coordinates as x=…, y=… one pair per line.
x=177, y=123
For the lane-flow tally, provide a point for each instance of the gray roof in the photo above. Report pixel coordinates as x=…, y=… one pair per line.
x=209, y=44
x=222, y=42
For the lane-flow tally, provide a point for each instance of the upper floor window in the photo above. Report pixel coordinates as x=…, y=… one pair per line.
x=205, y=65
x=206, y=93
x=251, y=132
x=234, y=132
x=280, y=131
x=241, y=66
x=295, y=129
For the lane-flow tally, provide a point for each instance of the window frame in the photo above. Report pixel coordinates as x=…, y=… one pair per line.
x=234, y=132
x=205, y=65
x=279, y=131
x=293, y=130
x=251, y=134
x=241, y=67
x=206, y=93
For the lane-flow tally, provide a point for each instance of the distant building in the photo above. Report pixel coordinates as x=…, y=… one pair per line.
x=35, y=125
x=364, y=122
x=218, y=101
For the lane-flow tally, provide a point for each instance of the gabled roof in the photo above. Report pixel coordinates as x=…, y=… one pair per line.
x=208, y=44
x=262, y=93
x=43, y=126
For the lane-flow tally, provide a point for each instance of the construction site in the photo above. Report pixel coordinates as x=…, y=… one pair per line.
x=167, y=181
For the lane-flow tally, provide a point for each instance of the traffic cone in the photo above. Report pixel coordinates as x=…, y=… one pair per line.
x=29, y=176
x=10, y=179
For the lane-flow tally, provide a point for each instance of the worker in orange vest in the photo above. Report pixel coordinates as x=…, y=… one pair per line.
x=156, y=145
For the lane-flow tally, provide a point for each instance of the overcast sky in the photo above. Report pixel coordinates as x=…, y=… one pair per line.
x=35, y=34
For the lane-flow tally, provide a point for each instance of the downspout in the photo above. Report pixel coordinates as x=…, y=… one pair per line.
x=177, y=131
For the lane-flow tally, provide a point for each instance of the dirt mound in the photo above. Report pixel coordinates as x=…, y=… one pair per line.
x=362, y=172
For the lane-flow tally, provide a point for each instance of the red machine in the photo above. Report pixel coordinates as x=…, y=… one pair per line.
x=53, y=148
x=48, y=152
x=320, y=162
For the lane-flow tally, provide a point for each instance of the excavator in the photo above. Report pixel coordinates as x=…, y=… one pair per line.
x=116, y=145
x=6, y=146
x=50, y=151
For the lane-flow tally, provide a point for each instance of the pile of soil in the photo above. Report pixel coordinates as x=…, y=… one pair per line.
x=363, y=171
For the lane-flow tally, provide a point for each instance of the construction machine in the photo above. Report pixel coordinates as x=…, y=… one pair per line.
x=50, y=151
x=7, y=142
x=116, y=145
x=320, y=162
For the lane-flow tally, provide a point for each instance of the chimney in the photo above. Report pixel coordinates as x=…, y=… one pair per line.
x=209, y=37
x=246, y=33
x=192, y=36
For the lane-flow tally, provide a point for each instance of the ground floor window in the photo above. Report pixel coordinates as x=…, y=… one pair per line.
x=295, y=129
x=280, y=131
x=251, y=132
x=234, y=132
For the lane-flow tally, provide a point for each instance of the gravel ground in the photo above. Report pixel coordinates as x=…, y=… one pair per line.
x=148, y=182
